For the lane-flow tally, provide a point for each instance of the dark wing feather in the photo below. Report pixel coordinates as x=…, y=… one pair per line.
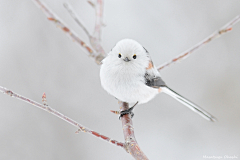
x=150, y=79
x=154, y=82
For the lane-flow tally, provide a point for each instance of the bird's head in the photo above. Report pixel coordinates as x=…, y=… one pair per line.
x=128, y=52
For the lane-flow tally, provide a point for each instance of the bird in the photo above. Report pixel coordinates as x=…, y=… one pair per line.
x=128, y=74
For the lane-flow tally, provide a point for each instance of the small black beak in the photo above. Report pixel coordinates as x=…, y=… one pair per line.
x=126, y=59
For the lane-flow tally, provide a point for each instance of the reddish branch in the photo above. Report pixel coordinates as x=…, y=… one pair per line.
x=131, y=144
x=59, y=115
x=216, y=34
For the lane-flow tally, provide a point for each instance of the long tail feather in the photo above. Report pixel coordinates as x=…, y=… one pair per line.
x=188, y=103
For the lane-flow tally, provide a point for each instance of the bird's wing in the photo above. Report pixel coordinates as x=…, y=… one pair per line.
x=154, y=82
x=152, y=79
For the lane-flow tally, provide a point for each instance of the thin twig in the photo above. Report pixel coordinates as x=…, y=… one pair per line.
x=61, y=25
x=44, y=99
x=92, y=4
x=61, y=116
x=115, y=112
x=96, y=38
x=131, y=144
x=98, y=23
x=70, y=10
x=215, y=35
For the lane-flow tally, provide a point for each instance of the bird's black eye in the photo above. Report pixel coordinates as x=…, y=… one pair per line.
x=119, y=55
x=134, y=56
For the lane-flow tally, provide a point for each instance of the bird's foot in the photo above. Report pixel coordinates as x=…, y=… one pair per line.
x=128, y=111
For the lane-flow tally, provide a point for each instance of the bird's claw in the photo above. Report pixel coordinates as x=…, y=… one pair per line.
x=128, y=111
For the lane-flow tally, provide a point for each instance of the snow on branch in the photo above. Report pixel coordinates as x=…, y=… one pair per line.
x=215, y=35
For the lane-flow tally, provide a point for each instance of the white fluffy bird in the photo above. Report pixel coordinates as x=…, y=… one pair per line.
x=128, y=74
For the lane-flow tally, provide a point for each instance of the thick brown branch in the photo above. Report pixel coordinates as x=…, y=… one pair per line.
x=131, y=144
x=216, y=34
x=61, y=116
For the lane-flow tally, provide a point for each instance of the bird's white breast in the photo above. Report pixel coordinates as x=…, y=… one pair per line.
x=126, y=83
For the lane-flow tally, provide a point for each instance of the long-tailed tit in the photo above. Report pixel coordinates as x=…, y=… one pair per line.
x=128, y=74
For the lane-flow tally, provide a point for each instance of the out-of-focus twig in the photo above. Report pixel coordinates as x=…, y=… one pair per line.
x=44, y=99
x=96, y=38
x=60, y=115
x=216, y=34
x=115, y=112
x=91, y=3
x=95, y=41
x=75, y=17
x=60, y=24
x=131, y=144
x=98, y=22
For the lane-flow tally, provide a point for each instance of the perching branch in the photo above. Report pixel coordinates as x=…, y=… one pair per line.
x=47, y=108
x=131, y=144
x=214, y=35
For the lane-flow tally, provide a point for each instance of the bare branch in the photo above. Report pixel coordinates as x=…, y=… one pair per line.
x=61, y=116
x=91, y=3
x=96, y=39
x=61, y=25
x=131, y=144
x=70, y=10
x=215, y=35
x=115, y=112
x=44, y=99
x=98, y=23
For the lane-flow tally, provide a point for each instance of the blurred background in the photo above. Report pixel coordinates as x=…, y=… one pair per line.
x=37, y=57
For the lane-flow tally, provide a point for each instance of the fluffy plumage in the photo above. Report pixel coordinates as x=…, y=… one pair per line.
x=125, y=80
x=128, y=74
